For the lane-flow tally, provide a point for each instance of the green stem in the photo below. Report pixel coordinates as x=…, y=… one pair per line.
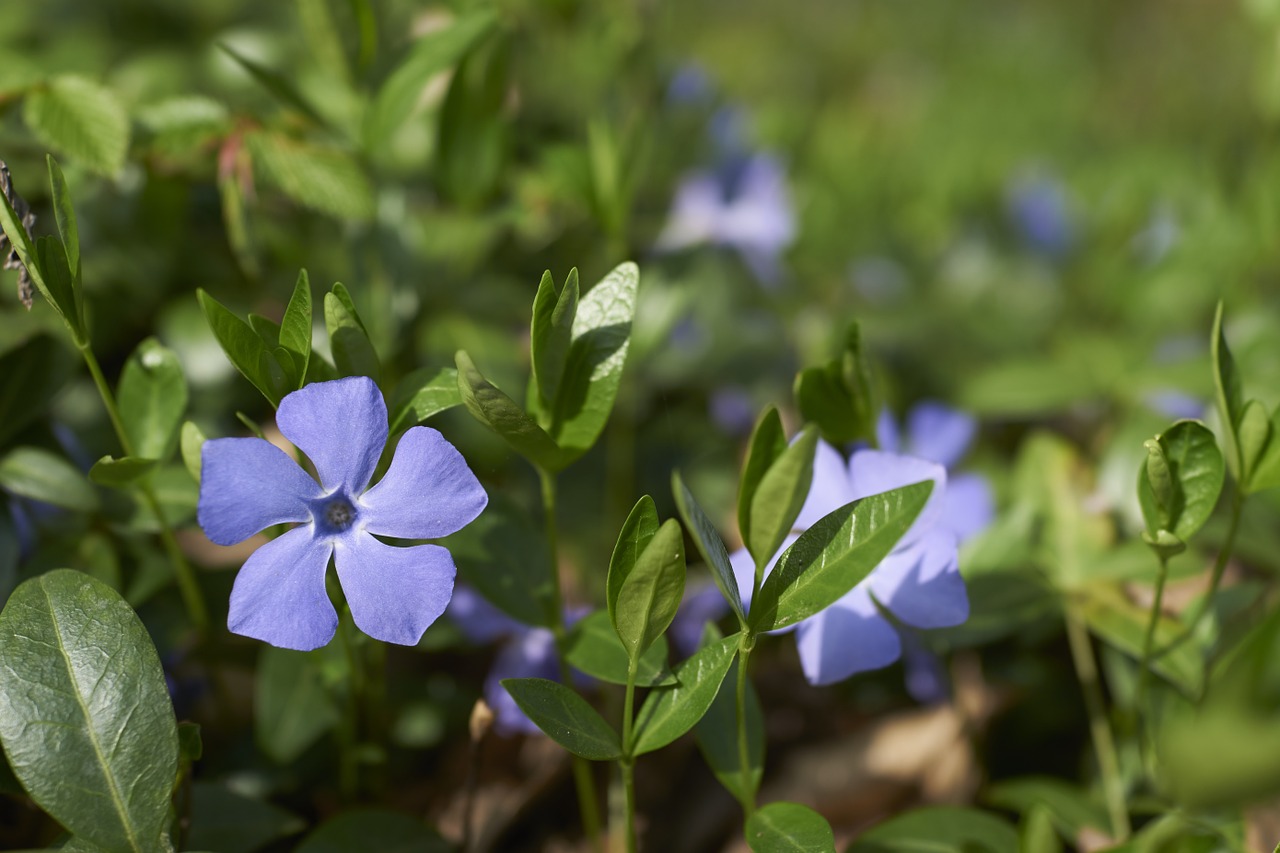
x=627, y=764
x=1144, y=672
x=189, y=588
x=748, y=799
x=1099, y=729
x=587, y=804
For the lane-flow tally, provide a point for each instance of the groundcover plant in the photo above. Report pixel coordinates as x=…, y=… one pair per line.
x=638, y=425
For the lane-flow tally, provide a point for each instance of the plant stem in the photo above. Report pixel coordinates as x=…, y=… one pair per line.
x=627, y=764
x=189, y=588
x=1148, y=641
x=587, y=804
x=1099, y=729
x=748, y=799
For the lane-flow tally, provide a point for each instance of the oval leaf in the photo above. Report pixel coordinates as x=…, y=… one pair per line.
x=709, y=544
x=81, y=119
x=565, y=717
x=120, y=473
x=651, y=593
x=594, y=648
x=780, y=496
x=500, y=413
x=85, y=716
x=669, y=712
x=424, y=393
x=637, y=532
x=31, y=472
x=789, y=828
x=1195, y=476
x=768, y=442
x=939, y=829
x=152, y=396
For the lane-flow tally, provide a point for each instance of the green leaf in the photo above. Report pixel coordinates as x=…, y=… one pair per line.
x=597, y=353
x=244, y=349
x=1072, y=807
x=223, y=819
x=1254, y=435
x=637, y=532
x=780, y=496
x=939, y=829
x=34, y=371
x=718, y=739
x=550, y=334
x=65, y=217
x=325, y=179
x=153, y=397
x=651, y=592
x=1037, y=834
x=1194, y=471
x=565, y=717
x=374, y=829
x=768, y=442
x=295, y=327
x=58, y=284
x=292, y=707
x=85, y=717
x=1159, y=480
x=709, y=544
x=31, y=472
x=276, y=84
x=1227, y=384
x=593, y=647
x=434, y=52
x=81, y=119
x=192, y=441
x=120, y=473
x=669, y=712
x=505, y=558
x=423, y=393
x=500, y=413
x=789, y=828
x=472, y=130
x=1266, y=473
x=353, y=352
x=1123, y=625
x=29, y=254
x=834, y=555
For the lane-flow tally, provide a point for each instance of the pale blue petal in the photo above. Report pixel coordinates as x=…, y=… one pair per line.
x=849, y=636
x=247, y=485
x=279, y=595
x=830, y=489
x=744, y=571
x=887, y=435
x=531, y=654
x=925, y=678
x=394, y=593
x=428, y=491
x=702, y=603
x=479, y=620
x=341, y=426
x=921, y=585
x=874, y=471
x=968, y=507
x=939, y=433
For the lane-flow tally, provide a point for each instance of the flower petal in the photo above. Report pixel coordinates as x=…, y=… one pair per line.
x=341, y=426
x=968, y=507
x=922, y=585
x=939, y=433
x=394, y=593
x=427, y=492
x=279, y=595
x=874, y=471
x=247, y=485
x=532, y=654
x=830, y=489
x=703, y=603
x=849, y=636
x=887, y=435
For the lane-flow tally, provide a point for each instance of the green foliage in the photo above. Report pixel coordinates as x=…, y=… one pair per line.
x=718, y=739
x=152, y=396
x=1180, y=483
x=837, y=395
x=565, y=717
x=594, y=647
x=779, y=497
x=670, y=711
x=381, y=829
x=294, y=704
x=32, y=472
x=223, y=819
x=944, y=829
x=353, y=352
x=645, y=584
x=81, y=119
x=709, y=544
x=789, y=828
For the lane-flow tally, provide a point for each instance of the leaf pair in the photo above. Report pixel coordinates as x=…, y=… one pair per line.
x=1179, y=484
x=579, y=347
x=837, y=396
x=646, y=578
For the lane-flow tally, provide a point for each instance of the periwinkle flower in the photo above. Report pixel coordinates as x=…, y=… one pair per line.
x=248, y=484
x=1040, y=211
x=918, y=582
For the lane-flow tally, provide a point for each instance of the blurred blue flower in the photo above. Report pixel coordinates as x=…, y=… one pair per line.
x=918, y=582
x=394, y=593
x=1175, y=404
x=702, y=603
x=1038, y=208
x=941, y=434
x=732, y=410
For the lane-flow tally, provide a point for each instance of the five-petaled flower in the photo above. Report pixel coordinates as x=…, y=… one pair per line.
x=394, y=593
x=919, y=581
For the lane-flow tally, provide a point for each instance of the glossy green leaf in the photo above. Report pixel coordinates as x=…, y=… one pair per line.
x=353, y=352
x=1227, y=384
x=669, y=712
x=565, y=717
x=292, y=707
x=31, y=472
x=369, y=829
x=637, y=532
x=34, y=371
x=1160, y=482
x=550, y=333
x=400, y=93
x=120, y=473
x=295, y=327
x=1195, y=473
x=593, y=647
x=153, y=397
x=277, y=84
x=718, y=738
x=597, y=353
x=651, y=592
x=226, y=820
x=501, y=414
x=59, y=284
x=834, y=555
x=85, y=717
x=323, y=178
x=780, y=496
x=423, y=393
x=709, y=544
x=81, y=119
x=789, y=828
x=244, y=348
x=768, y=442
x=192, y=441
x=939, y=829
x=64, y=215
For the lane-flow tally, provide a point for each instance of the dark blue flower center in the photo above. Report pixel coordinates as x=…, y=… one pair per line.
x=334, y=514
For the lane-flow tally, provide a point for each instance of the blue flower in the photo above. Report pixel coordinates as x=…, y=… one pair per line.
x=942, y=434
x=394, y=593
x=1040, y=211
x=918, y=582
